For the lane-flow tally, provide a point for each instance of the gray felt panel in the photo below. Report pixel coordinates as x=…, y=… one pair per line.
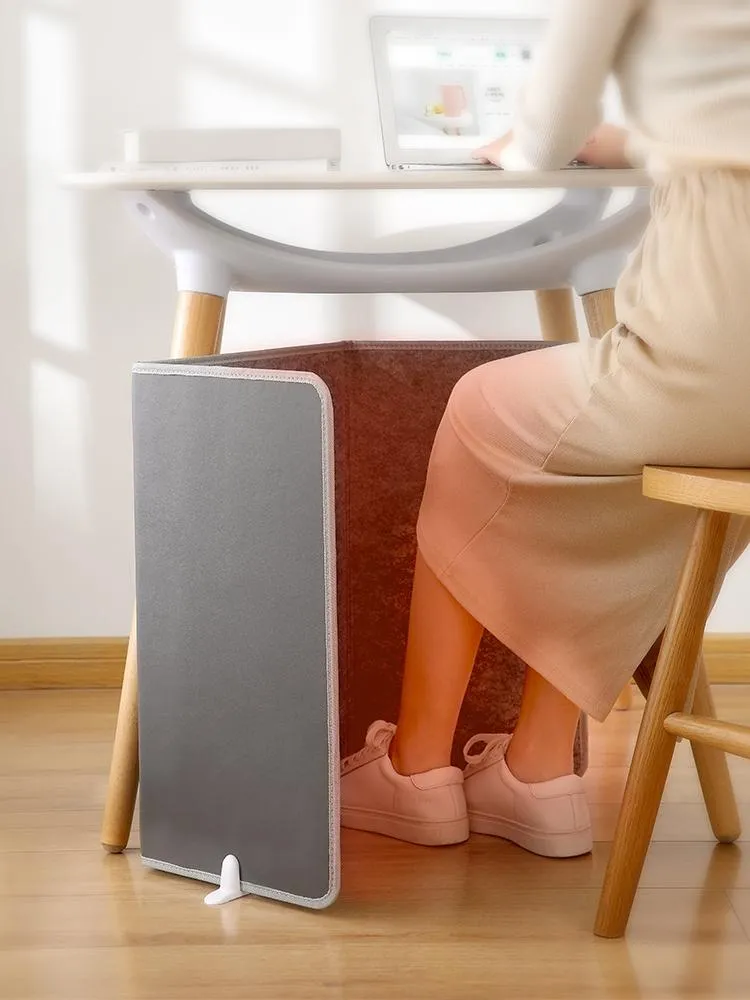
x=236, y=628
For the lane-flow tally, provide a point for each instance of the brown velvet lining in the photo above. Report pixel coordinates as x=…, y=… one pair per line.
x=388, y=399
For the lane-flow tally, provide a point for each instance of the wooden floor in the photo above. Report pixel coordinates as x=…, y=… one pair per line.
x=483, y=920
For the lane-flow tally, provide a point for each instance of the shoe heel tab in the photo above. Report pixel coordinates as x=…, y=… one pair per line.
x=438, y=778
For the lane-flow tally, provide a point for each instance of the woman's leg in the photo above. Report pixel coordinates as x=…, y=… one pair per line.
x=400, y=784
x=440, y=653
x=441, y=650
x=542, y=744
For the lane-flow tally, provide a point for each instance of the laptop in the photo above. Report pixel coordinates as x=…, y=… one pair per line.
x=448, y=85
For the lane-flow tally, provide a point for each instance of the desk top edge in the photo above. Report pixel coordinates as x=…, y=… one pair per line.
x=175, y=180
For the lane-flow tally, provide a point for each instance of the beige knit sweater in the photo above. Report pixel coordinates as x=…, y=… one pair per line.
x=683, y=69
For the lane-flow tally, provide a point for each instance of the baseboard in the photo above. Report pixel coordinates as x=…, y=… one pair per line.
x=98, y=663
x=727, y=657
x=61, y=663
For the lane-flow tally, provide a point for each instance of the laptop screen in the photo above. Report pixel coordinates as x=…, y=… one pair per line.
x=454, y=91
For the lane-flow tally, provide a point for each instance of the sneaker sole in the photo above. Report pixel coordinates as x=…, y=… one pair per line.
x=424, y=833
x=548, y=845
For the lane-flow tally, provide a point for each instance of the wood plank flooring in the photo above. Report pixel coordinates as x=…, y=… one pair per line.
x=483, y=920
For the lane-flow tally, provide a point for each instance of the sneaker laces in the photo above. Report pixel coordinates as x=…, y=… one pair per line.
x=493, y=742
x=378, y=739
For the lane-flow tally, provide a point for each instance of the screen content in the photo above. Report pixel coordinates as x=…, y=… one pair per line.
x=454, y=94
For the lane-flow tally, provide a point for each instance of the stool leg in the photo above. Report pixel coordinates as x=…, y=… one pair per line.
x=711, y=764
x=713, y=771
x=654, y=749
x=197, y=333
x=557, y=315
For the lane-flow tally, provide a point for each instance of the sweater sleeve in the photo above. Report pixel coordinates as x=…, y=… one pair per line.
x=561, y=103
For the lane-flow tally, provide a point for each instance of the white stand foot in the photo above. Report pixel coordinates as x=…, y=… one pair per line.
x=229, y=886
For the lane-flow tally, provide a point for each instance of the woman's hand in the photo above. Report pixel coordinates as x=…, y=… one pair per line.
x=493, y=152
x=606, y=148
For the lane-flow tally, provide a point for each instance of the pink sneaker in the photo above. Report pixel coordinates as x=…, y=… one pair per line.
x=427, y=808
x=550, y=818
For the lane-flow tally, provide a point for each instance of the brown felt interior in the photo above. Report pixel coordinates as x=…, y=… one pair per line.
x=388, y=399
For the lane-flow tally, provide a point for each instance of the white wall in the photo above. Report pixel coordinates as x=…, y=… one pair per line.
x=84, y=295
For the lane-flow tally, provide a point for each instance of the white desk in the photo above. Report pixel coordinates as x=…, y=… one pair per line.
x=573, y=245
x=232, y=178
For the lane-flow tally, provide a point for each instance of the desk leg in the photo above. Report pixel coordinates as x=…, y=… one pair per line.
x=197, y=332
x=557, y=315
x=599, y=308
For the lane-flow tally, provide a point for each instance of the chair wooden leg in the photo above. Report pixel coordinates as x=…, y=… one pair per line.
x=654, y=749
x=197, y=332
x=557, y=315
x=713, y=771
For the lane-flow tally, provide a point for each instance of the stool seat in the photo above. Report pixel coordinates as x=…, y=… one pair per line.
x=726, y=490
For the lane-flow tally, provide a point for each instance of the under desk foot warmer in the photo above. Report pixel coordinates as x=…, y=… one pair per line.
x=273, y=608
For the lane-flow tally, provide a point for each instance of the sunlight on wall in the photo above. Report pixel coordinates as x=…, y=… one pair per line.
x=56, y=268
x=216, y=97
x=61, y=422
x=284, y=43
x=56, y=272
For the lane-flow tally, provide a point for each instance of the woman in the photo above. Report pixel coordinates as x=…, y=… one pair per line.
x=533, y=523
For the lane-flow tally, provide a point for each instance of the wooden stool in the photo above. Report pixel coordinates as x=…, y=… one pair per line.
x=679, y=676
